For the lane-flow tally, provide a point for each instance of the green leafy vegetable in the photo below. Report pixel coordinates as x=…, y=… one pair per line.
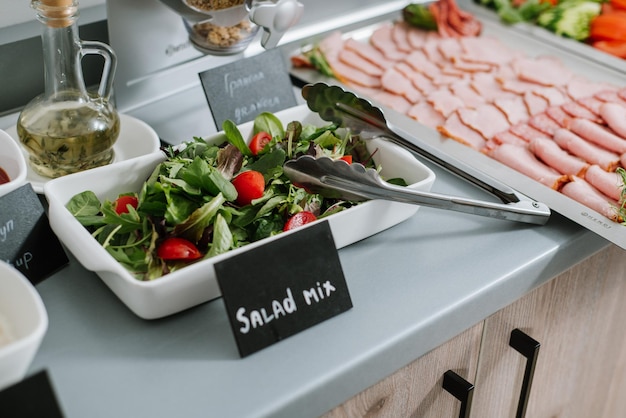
x=418, y=15
x=190, y=196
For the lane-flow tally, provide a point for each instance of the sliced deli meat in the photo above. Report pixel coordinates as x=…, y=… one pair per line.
x=614, y=114
x=454, y=128
x=585, y=194
x=550, y=153
x=523, y=160
x=486, y=119
x=589, y=152
x=609, y=183
x=599, y=135
x=424, y=113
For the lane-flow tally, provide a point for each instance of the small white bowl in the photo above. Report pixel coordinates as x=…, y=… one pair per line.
x=23, y=324
x=13, y=162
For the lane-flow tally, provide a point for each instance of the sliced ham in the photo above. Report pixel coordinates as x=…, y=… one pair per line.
x=467, y=94
x=382, y=39
x=394, y=81
x=579, y=87
x=425, y=114
x=544, y=123
x=545, y=70
x=400, y=35
x=591, y=103
x=609, y=96
x=331, y=46
x=557, y=114
x=486, y=49
x=554, y=96
x=588, y=151
x=609, y=183
x=419, y=62
x=353, y=59
x=535, y=104
x=597, y=134
x=457, y=130
x=614, y=115
x=554, y=156
x=444, y=102
x=486, y=119
x=394, y=101
x=587, y=195
x=576, y=110
x=517, y=86
x=527, y=132
x=514, y=108
x=508, y=137
x=417, y=37
x=368, y=52
x=488, y=87
x=521, y=159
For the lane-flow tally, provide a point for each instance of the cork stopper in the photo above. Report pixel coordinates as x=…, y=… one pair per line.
x=56, y=13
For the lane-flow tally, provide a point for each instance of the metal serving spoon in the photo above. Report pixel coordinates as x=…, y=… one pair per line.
x=344, y=108
x=354, y=182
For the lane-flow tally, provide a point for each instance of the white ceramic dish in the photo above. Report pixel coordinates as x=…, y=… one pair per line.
x=136, y=138
x=196, y=283
x=23, y=323
x=12, y=161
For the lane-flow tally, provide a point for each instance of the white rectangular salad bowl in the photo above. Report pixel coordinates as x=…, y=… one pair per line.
x=197, y=283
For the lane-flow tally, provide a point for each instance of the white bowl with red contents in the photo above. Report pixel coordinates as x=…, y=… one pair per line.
x=12, y=164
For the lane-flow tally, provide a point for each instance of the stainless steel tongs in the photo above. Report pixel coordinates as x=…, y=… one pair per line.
x=336, y=105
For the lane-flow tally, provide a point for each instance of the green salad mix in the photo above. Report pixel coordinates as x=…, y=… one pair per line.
x=206, y=199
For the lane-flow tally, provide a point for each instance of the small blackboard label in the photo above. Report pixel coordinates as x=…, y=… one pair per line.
x=33, y=397
x=26, y=240
x=240, y=90
x=281, y=288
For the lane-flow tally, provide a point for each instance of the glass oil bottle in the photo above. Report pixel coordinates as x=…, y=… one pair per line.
x=68, y=128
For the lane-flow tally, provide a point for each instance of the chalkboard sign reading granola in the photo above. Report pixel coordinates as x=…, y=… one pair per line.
x=240, y=90
x=281, y=288
x=26, y=240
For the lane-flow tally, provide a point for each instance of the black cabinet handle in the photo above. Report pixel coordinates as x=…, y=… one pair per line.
x=529, y=348
x=460, y=389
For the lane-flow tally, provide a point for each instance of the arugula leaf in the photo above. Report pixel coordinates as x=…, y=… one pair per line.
x=268, y=122
x=234, y=137
x=193, y=227
x=222, y=237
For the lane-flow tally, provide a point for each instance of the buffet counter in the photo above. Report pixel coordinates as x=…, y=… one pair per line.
x=413, y=287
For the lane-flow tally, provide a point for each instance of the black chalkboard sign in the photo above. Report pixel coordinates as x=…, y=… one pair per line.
x=26, y=240
x=33, y=397
x=240, y=90
x=281, y=288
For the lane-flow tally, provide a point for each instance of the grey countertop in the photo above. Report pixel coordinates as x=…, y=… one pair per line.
x=413, y=287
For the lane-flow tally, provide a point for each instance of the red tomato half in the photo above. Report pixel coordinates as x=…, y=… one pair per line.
x=175, y=248
x=122, y=202
x=347, y=158
x=299, y=219
x=259, y=141
x=250, y=185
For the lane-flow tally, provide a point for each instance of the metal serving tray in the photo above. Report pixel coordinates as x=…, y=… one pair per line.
x=525, y=42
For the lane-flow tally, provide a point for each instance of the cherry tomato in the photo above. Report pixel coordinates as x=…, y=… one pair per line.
x=259, y=141
x=250, y=185
x=347, y=158
x=122, y=202
x=175, y=248
x=298, y=220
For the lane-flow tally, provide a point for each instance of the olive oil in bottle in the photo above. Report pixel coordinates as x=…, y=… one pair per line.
x=68, y=129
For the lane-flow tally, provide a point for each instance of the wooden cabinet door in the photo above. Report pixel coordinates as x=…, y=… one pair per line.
x=579, y=318
x=416, y=389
